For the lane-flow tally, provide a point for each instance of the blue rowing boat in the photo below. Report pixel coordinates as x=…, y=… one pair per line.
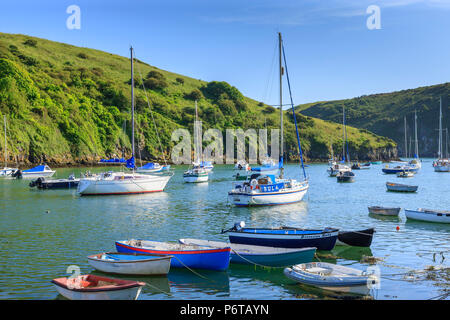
x=285, y=237
x=184, y=255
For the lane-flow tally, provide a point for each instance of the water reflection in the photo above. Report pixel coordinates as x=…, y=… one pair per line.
x=204, y=281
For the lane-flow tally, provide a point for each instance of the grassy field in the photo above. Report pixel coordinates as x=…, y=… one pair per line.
x=67, y=104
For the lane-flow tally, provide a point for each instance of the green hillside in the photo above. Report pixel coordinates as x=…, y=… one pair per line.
x=67, y=105
x=384, y=114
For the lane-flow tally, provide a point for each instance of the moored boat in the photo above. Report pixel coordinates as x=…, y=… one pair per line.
x=361, y=238
x=347, y=176
x=152, y=167
x=191, y=256
x=36, y=172
x=195, y=174
x=405, y=174
x=428, y=215
x=260, y=255
x=42, y=183
x=92, y=287
x=397, y=187
x=385, y=211
x=285, y=237
x=131, y=263
x=332, y=277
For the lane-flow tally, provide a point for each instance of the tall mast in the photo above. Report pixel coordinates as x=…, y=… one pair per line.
x=343, y=133
x=415, y=134
x=281, y=104
x=197, y=136
x=406, y=140
x=440, y=130
x=132, y=105
x=6, y=152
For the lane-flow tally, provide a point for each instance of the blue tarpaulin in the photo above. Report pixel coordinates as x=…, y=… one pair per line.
x=130, y=163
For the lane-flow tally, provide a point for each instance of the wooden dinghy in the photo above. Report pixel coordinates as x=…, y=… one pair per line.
x=191, y=256
x=385, y=211
x=428, y=215
x=131, y=263
x=260, y=255
x=361, y=238
x=92, y=287
x=397, y=187
x=332, y=277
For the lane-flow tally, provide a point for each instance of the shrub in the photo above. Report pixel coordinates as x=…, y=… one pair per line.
x=269, y=109
x=155, y=84
x=30, y=42
x=82, y=55
x=180, y=80
x=156, y=75
x=194, y=95
x=215, y=89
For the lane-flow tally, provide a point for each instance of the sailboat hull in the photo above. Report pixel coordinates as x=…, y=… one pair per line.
x=267, y=199
x=92, y=186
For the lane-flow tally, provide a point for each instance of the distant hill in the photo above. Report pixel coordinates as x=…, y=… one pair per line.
x=68, y=105
x=383, y=114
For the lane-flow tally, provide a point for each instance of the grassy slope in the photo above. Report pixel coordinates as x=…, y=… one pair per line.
x=384, y=114
x=69, y=104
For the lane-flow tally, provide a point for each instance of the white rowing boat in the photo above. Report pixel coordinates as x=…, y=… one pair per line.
x=332, y=277
x=428, y=215
x=131, y=263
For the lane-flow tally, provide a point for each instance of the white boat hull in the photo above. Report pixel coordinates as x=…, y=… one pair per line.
x=148, y=184
x=123, y=294
x=428, y=215
x=254, y=198
x=151, y=267
x=445, y=168
x=193, y=179
x=35, y=175
x=7, y=172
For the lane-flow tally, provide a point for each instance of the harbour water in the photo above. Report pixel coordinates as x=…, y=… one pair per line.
x=42, y=232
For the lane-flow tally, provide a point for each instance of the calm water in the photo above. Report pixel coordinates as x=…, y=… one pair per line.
x=43, y=232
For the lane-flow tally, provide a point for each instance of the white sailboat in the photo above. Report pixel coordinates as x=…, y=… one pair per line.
x=197, y=173
x=337, y=167
x=119, y=183
x=6, y=171
x=265, y=189
x=442, y=164
x=415, y=163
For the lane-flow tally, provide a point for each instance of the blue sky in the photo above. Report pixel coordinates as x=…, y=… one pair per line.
x=330, y=51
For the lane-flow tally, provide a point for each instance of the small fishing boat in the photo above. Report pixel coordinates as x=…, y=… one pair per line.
x=332, y=277
x=131, y=263
x=92, y=287
x=191, y=256
x=337, y=168
x=260, y=255
x=358, y=166
x=405, y=174
x=428, y=215
x=385, y=211
x=399, y=168
x=36, y=172
x=376, y=162
x=285, y=237
x=397, y=187
x=242, y=165
x=362, y=238
x=346, y=176
x=42, y=183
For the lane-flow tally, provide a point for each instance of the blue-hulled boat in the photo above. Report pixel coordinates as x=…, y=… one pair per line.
x=191, y=256
x=260, y=255
x=285, y=237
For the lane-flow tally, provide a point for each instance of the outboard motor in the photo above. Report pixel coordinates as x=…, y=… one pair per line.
x=37, y=182
x=237, y=226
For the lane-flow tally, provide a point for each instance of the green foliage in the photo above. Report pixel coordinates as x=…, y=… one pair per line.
x=195, y=94
x=30, y=42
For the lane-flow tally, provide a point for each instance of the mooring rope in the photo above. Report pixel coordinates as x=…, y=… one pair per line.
x=154, y=287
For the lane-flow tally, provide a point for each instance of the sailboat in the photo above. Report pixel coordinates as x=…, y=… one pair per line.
x=197, y=173
x=336, y=167
x=416, y=163
x=119, y=183
x=266, y=189
x=6, y=171
x=441, y=164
